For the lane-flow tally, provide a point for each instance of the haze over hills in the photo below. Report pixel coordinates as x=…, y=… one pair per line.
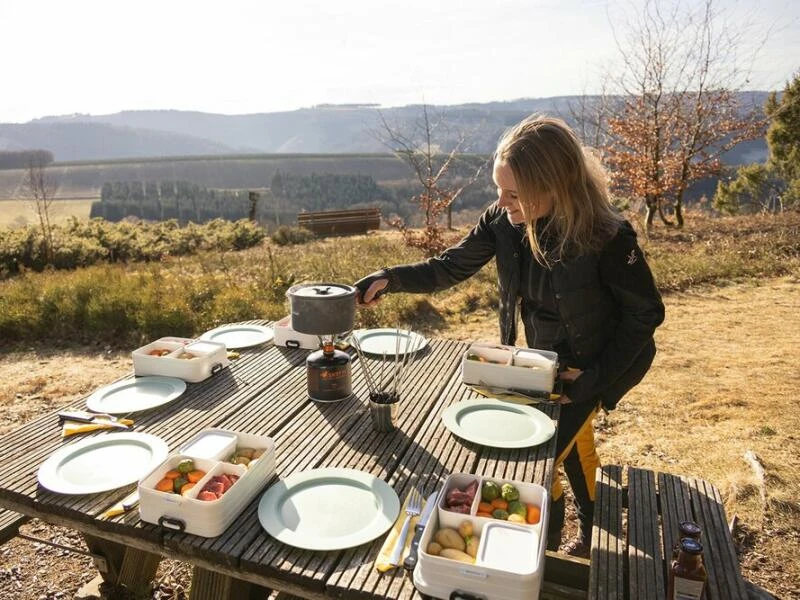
x=326, y=129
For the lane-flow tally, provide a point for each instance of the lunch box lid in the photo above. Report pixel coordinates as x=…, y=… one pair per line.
x=512, y=548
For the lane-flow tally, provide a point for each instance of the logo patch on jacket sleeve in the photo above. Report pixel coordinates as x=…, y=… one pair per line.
x=632, y=258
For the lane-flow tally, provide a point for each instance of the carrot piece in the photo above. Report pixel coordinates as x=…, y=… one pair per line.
x=195, y=476
x=481, y=513
x=172, y=474
x=499, y=503
x=533, y=515
x=485, y=507
x=186, y=487
x=165, y=485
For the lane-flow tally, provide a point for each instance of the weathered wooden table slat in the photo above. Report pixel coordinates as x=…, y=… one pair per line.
x=264, y=392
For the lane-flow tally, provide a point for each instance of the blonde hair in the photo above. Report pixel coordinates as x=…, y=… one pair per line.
x=547, y=158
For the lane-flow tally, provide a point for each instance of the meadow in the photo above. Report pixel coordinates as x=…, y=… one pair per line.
x=188, y=294
x=20, y=213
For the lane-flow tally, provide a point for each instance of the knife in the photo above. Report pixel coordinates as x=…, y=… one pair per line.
x=430, y=505
x=83, y=416
x=526, y=396
x=127, y=503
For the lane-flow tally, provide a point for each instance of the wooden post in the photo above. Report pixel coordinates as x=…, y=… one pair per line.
x=123, y=565
x=254, y=197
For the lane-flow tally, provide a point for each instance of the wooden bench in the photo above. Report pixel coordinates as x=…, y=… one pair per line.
x=9, y=525
x=341, y=222
x=636, y=526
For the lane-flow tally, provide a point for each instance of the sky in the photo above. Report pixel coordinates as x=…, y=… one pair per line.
x=250, y=56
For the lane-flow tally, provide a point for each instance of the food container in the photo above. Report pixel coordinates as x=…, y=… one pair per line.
x=322, y=308
x=211, y=451
x=527, y=370
x=289, y=338
x=184, y=358
x=529, y=493
x=509, y=564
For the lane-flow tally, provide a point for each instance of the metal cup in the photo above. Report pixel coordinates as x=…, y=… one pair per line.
x=383, y=408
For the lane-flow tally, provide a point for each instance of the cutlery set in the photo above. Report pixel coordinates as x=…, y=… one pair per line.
x=413, y=508
x=83, y=416
x=403, y=355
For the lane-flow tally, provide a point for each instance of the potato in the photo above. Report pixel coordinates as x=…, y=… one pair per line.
x=454, y=554
x=449, y=538
x=465, y=529
x=434, y=548
x=472, y=545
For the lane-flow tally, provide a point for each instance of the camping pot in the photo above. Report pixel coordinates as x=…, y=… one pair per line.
x=322, y=308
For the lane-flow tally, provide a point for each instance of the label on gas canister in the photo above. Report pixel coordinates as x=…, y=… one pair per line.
x=329, y=383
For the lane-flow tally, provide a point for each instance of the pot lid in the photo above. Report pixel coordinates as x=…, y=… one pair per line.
x=321, y=290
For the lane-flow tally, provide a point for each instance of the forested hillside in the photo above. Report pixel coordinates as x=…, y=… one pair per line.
x=330, y=129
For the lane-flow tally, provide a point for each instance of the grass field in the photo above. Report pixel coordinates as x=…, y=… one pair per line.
x=18, y=213
x=85, y=179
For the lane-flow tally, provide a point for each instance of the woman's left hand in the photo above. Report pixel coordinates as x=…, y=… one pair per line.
x=570, y=374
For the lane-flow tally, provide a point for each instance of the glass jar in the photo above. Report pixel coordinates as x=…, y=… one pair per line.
x=687, y=573
x=686, y=529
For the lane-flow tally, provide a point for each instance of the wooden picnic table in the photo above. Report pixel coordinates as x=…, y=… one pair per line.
x=263, y=392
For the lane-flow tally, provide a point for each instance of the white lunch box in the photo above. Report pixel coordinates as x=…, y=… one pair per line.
x=184, y=358
x=525, y=369
x=510, y=559
x=211, y=451
x=289, y=338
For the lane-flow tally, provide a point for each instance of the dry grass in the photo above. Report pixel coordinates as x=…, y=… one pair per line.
x=19, y=213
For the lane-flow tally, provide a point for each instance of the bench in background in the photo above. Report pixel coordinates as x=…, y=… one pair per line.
x=341, y=222
x=636, y=527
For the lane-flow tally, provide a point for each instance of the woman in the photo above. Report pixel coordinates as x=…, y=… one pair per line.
x=583, y=287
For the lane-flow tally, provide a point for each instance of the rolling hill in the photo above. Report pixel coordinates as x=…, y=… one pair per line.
x=327, y=129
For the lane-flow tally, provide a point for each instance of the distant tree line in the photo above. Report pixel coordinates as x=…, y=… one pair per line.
x=160, y=201
x=21, y=159
x=288, y=195
x=327, y=191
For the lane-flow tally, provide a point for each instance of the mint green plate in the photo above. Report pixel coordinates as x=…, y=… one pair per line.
x=389, y=341
x=138, y=393
x=102, y=463
x=328, y=509
x=498, y=424
x=236, y=336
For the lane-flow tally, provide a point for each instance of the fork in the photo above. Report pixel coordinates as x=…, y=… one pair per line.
x=413, y=508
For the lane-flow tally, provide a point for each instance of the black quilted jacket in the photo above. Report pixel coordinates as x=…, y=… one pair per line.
x=607, y=300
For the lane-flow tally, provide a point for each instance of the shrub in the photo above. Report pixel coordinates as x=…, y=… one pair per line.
x=287, y=235
x=79, y=244
x=125, y=305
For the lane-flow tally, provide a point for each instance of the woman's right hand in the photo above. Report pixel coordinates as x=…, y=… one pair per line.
x=371, y=288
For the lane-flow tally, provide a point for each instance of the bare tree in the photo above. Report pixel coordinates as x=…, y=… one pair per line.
x=40, y=188
x=590, y=114
x=420, y=149
x=674, y=107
